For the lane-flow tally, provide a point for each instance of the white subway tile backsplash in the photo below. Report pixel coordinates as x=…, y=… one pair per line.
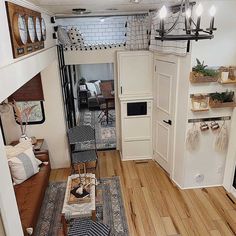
x=94, y=31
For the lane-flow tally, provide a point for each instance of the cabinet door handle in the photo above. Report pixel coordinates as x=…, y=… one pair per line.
x=121, y=90
x=169, y=122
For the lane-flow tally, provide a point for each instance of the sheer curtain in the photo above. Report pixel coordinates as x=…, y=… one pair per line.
x=137, y=35
x=168, y=47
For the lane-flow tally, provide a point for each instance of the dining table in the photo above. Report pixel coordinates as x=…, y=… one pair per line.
x=109, y=99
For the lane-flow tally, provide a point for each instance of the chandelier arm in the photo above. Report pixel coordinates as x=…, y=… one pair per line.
x=192, y=21
x=177, y=19
x=205, y=31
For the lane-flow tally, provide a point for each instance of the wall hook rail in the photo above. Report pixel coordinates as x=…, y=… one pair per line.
x=209, y=119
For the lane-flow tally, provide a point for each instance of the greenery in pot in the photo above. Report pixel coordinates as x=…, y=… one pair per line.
x=224, y=97
x=201, y=70
x=82, y=81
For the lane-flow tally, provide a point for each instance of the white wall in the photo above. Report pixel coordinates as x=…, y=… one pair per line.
x=222, y=49
x=178, y=171
x=102, y=71
x=53, y=130
x=14, y=73
x=219, y=51
x=8, y=206
x=5, y=47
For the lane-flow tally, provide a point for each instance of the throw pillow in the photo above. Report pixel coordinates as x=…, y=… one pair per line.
x=92, y=88
x=63, y=37
x=23, y=166
x=76, y=37
x=13, y=151
x=97, y=85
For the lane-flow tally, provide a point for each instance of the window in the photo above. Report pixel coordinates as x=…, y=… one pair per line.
x=37, y=115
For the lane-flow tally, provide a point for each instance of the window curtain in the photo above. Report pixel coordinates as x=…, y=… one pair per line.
x=137, y=34
x=168, y=47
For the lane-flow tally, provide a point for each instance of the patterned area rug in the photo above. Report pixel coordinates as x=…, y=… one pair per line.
x=105, y=133
x=109, y=208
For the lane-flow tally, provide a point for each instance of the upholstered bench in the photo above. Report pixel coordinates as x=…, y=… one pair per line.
x=30, y=194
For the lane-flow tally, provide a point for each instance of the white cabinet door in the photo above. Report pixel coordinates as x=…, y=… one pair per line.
x=164, y=112
x=135, y=73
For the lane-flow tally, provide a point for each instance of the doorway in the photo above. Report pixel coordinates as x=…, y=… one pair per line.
x=96, y=101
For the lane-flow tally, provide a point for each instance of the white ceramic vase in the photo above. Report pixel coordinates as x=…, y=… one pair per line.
x=23, y=138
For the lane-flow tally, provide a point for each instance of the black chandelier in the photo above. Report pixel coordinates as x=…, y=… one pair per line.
x=193, y=31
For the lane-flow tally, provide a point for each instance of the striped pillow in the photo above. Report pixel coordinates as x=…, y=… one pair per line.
x=23, y=166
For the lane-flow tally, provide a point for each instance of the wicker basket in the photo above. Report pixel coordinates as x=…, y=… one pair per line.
x=216, y=104
x=200, y=102
x=202, y=79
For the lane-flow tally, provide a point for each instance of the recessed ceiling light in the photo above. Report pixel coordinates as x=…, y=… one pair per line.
x=135, y=1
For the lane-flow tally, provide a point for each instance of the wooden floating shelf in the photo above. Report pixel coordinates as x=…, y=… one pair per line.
x=200, y=110
x=223, y=105
x=229, y=81
x=204, y=79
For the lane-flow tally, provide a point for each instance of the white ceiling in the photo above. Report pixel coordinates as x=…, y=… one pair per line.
x=101, y=6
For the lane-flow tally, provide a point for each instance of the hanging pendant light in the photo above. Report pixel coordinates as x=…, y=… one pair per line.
x=193, y=31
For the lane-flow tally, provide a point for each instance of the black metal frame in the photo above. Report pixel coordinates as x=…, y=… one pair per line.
x=3, y=135
x=67, y=88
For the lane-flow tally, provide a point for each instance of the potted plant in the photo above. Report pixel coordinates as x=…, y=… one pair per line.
x=224, y=99
x=82, y=81
x=201, y=73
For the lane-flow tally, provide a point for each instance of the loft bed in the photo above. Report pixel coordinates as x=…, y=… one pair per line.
x=78, y=51
x=108, y=55
x=105, y=46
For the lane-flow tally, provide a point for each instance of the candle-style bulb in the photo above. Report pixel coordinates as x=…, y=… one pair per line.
x=188, y=13
x=212, y=11
x=199, y=10
x=163, y=12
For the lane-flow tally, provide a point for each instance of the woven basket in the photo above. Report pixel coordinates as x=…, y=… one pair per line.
x=202, y=79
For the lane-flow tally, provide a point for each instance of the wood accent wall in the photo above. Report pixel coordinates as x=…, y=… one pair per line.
x=31, y=91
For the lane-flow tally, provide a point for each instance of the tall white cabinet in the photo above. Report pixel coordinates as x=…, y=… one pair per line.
x=135, y=78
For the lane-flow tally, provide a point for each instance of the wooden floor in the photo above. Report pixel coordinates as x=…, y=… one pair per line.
x=154, y=206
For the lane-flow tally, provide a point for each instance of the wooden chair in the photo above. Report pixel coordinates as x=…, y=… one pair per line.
x=104, y=109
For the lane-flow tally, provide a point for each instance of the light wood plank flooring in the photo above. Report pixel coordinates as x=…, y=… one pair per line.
x=155, y=206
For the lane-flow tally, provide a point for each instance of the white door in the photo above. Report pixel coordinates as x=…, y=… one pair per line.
x=164, y=112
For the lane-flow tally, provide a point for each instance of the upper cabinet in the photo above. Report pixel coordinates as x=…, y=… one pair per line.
x=135, y=74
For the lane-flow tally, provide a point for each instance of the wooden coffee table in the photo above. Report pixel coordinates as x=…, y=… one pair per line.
x=76, y=210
